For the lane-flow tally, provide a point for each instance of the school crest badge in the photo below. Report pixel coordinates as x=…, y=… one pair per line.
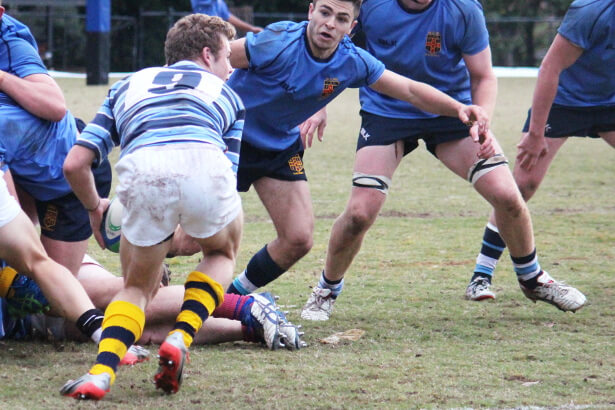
x=433, y=43
x=50, y=218
x=296, y=164
x=329, y=87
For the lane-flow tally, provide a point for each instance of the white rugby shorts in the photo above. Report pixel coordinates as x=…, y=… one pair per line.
x=190, y=184
x=9, y=207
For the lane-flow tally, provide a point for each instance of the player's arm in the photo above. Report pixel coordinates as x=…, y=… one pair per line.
x=243, y=25
x=483, y=82
x=92, y=147
x=561, y=55
x=239, y=57
x=78, y=172
x=484, y=89
x=38, y=94
x=428, y=98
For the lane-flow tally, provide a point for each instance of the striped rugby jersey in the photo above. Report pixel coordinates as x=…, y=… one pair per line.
x=166, y=105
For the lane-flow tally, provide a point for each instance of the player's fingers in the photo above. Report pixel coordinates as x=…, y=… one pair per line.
x=303, y=141
x=474, y=131
x=99, y=238
x=310, y=138
x=321, y=131
x=543, y=153
x=303, y=128
x=531, y=161
x=105, y=202
x=490, y=151
x=524, y=160
x=314, y=128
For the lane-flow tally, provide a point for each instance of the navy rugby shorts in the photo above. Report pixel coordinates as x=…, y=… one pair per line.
x=378, y=130
x=65, y=218
x=577, y=121
x=255, y=163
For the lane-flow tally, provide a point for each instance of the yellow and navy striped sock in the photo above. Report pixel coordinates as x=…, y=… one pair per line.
x=122, y=326
x=202, y=295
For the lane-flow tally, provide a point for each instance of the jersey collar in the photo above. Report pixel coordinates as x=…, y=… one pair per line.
x=411, y=11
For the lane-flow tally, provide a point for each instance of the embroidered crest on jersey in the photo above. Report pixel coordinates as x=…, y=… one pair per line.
x=50, y=219
x=433, y=43
x=296, y=164
x=329, y=87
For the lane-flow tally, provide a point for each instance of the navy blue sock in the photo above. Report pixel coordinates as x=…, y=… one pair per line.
x=260, y=271
x=527, y=268
x=90, y=321
x=491, y=250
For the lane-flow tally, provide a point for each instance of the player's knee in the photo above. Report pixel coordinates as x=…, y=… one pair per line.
x=360, y=217
x=299, y=242
x=511, y=203
x=528, y=186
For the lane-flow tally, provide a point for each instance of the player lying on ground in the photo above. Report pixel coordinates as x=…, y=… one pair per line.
x=247, y=318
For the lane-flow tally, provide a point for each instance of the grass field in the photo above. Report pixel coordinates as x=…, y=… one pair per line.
x=424, y=346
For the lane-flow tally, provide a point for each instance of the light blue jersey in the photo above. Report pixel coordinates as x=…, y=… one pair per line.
x=426, y=45
x=285, y=84
x=590, y=81
x=211, y=8
x=166, y=105
x=34, y=149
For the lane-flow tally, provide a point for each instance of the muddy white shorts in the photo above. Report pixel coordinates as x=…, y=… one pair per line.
x=9, y=208
x=190, y=184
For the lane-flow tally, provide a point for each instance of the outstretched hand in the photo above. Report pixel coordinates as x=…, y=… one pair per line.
x=530, y=150
x=487, y=147
x=316, y=122
x=96, y=217
x=477, y=119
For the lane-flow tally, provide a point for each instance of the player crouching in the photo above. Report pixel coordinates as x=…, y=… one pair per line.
x=174, y=125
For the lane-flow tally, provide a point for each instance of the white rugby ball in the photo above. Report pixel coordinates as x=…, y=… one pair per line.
x=111, y=227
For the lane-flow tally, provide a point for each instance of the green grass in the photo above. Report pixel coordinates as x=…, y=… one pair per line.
x=424, y=346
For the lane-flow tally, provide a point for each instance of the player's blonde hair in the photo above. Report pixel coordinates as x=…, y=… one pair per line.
x=192, y=33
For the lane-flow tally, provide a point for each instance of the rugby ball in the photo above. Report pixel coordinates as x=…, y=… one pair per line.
x=111, y=227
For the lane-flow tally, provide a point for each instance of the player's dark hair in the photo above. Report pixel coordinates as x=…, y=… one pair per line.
x=355, y=3
x=192, y=33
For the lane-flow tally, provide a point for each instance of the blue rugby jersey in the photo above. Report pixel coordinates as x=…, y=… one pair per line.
x=166, y=105
x=211, y=8
x=34, y=149
x=285, y=84
x=18, y=51
x=425, y=45
x=590, y=81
